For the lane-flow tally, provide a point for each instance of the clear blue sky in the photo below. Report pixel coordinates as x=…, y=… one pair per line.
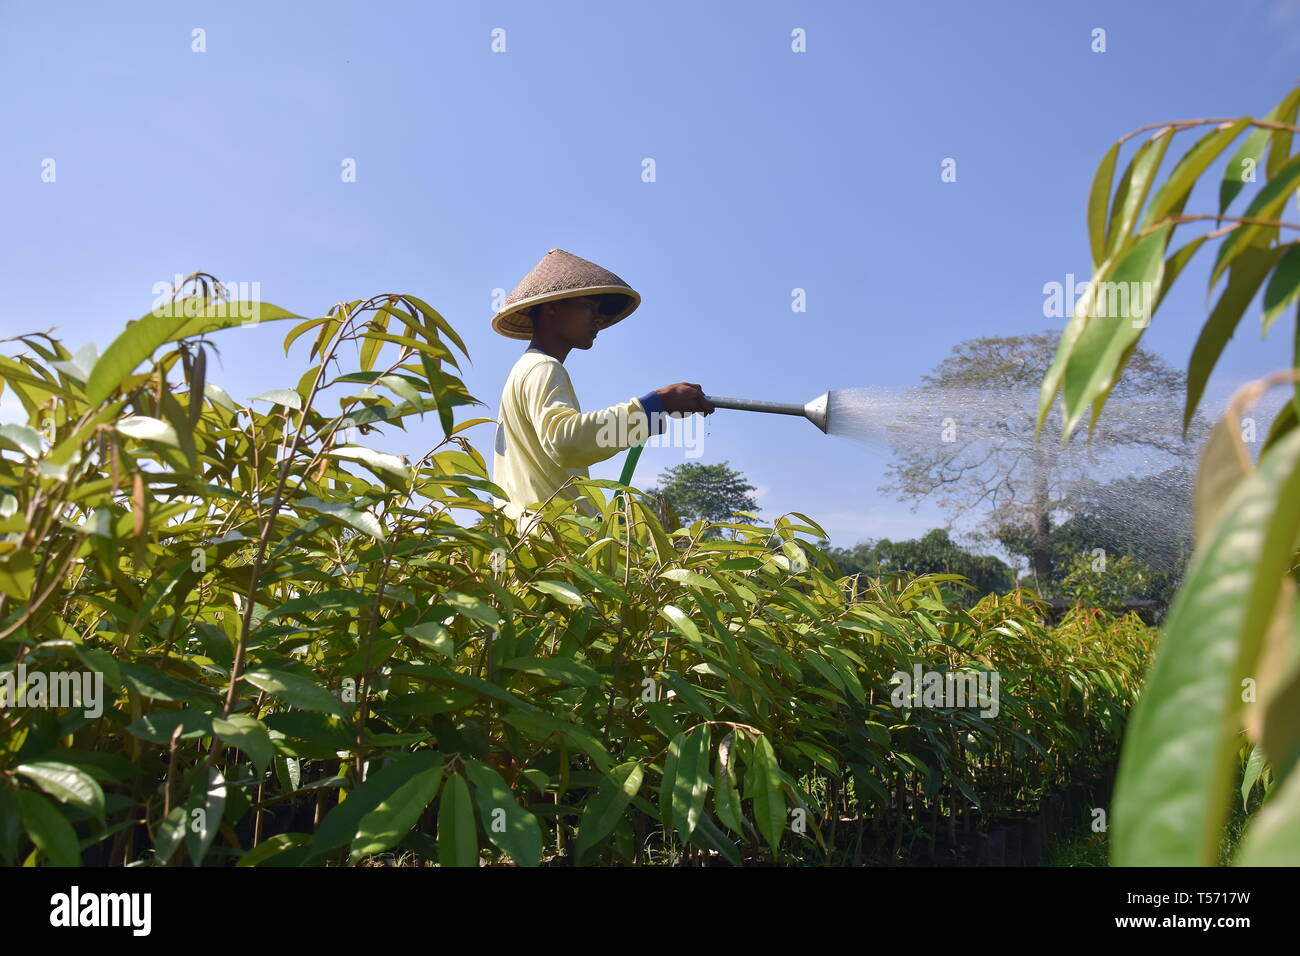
x=775, y=170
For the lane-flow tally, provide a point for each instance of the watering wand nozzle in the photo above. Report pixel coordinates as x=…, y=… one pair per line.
x=817, y=411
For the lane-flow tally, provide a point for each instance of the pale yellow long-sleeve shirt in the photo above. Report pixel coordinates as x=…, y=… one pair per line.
x=543, y=437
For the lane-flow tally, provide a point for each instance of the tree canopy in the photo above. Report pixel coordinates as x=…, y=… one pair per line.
x=693, y=490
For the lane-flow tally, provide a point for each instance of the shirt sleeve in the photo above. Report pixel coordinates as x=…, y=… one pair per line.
x=575, y=439
x=654, y=408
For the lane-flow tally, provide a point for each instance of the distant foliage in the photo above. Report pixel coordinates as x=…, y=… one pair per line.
x=933, y=553
x=1108, y=583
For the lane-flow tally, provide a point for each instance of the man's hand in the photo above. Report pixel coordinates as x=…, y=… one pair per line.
x=684, y=397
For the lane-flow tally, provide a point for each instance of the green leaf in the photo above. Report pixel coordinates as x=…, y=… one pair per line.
x=1268, y=202
x=457, y=835
x=17, y=573
x=341, y=825
x=471, y=606
x=1184, y=175
x=144, y=428
x=296, y=691
x=435, y=318
x=78, y=368
x=23, y=439
x=281, y=396
x=428, y=703
x=1174, y=266
x=1246, y=158
x=1098, y=200
x=434, y=374
x=683, y=576
x=142, y=336
x=157, y=727
x=383, y=827
x=390, y=469
x=708, y=836
x=152, y=682
x=219, y=396
x=1133, y=188
x=1283, y=287
x=539, y=725
x=1277, y=724
x=272, y=847
x=679, y=619
x=1179, y=754
x=67, y=784
x=1253, y=147
x=832, y=676
x=288, y=770
x=1221, y=470
x=563, y=592
x=202, y=827
x=1094, y=361
x=595, y=580
x=1279, y=140
x=433, y=635
x=508, y=825
x=763, y=786
x=49, y=829
x=726, y=799
x=1254, y=767
x=362, y=521
x=688, y=694
x=247, y=734
x=556, y=669
x=686, y=780
x=170, y=832
x=1243, y=282
x=606, y=806
x=401, y=388
x=1274, y=832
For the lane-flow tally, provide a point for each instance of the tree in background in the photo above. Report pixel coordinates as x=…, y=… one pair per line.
x=984, y=455
x=1146, y=519
x=692, y=490
x=933, y=553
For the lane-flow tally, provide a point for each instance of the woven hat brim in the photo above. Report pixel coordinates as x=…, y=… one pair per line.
x=510, y=323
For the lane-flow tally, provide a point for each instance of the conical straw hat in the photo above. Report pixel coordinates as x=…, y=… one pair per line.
x=562, y=275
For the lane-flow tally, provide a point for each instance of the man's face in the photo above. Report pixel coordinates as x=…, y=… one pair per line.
x=576, y=321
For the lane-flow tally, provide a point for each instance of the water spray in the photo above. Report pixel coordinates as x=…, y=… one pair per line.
x=971, y=422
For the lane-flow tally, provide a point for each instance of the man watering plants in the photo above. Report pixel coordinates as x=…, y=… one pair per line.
x=543, y=436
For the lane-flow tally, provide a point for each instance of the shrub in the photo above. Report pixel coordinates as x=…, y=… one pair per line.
x=282, y=616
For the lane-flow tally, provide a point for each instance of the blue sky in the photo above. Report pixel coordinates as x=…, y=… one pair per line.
x=775, y=171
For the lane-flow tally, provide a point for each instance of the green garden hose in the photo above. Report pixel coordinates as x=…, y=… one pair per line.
x=629, y=466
